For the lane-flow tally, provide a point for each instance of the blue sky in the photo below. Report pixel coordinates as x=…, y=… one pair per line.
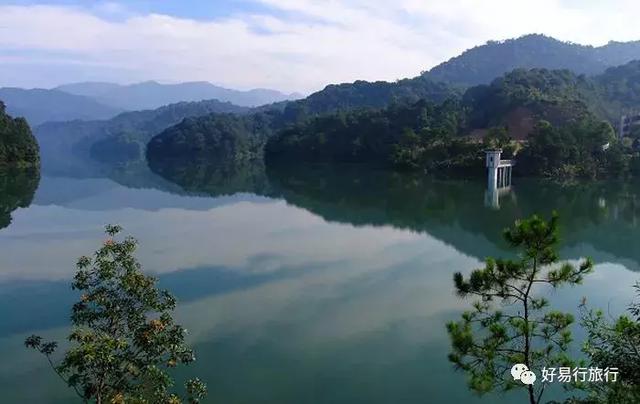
x=290, y=45
x=196, y=9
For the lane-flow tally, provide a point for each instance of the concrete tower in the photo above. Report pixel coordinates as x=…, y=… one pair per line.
x=493, y=163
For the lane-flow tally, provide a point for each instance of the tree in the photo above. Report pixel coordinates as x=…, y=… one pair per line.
x=573, y=150
x=488, y=341
x=497, y=138
x=18, y=146
x=614, y=343
x=124, y=337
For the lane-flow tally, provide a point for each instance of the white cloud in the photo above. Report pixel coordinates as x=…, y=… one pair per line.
x=303, y=46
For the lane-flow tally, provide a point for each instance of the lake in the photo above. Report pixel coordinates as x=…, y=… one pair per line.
x=306, y=285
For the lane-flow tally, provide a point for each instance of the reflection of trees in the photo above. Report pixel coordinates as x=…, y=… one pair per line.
x=17, y=187
x=603, y=215
x=215, y=179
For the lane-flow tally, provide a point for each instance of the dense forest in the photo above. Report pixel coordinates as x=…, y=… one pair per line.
x=18, y=147
x=445, y=130
x=334, y=99
x=482, y=64
x=561, y=116
x=424, y=134
x=363, y=94
x=619, y=89
x=216, y=137
x=555, y=95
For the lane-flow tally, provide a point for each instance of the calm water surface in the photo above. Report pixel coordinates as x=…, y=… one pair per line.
x=312, y=285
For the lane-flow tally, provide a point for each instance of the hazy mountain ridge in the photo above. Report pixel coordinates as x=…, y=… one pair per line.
x=152, y=95
x=39, y=105
x=482, y=64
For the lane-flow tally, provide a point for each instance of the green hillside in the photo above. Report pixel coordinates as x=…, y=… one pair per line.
x=563, y=117
x=267, y=120
x=482, y=64
x=18, y=147
x=218, y=137
x=379, y=94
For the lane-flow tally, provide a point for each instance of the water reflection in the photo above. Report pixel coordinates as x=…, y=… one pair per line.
x=215, y=179
x=598, y=218
x=310, y=284
x=17, y=187
x=492, y=196
x=452, y=211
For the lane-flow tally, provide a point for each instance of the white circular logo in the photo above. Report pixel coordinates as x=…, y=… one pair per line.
x=517, y=370
x=528, y=377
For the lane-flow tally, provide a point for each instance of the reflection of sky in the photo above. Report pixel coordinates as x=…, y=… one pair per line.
x=281, y=306
x=229, y=236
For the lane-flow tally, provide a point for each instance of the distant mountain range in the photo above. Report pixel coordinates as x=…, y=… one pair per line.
x=482, y=64
x=40, y=105
x=151, y=94
x=100, y=101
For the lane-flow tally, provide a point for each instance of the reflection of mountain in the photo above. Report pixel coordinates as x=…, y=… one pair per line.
x=103, y=194
x=17, y=188
x=214, y=179
x=599, y=219
x=273, y=294
x=85, y=185
x=603, y=216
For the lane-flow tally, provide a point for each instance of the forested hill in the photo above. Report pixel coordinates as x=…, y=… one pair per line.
x=620, y=87
x=125, y=136
x=562, y=115
x=379, y=94
x=218, y=138
x=518, y=101
x=554, y=95
x=200, y=136
x=482, y=64
x=18, y=147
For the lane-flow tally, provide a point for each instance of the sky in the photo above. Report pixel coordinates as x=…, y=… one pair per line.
x=288, y=45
